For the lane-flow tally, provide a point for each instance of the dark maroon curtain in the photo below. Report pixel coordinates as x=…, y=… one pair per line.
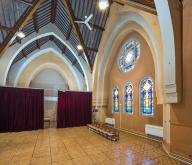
x=74, y=109
x=60, y=109
x=21, y=109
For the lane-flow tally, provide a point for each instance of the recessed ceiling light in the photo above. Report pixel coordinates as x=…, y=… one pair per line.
x=20, y=34
x=103, y=4
x=79, y=47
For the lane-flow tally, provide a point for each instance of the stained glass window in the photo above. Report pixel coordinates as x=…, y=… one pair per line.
x=129, y=54
x=115, y=94
x=146, y=96
x=128, y=98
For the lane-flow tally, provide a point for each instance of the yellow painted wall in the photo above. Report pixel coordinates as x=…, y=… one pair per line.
x=144, y=67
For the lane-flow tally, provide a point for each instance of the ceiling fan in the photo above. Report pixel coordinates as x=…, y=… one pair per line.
x=86, y=21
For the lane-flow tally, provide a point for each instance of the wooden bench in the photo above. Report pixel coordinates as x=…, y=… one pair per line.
x=105, y=130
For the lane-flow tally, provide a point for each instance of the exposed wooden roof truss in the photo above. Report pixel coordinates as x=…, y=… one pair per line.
x=29, y=16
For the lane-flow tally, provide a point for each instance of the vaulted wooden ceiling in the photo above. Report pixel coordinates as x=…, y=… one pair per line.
x=29, y=16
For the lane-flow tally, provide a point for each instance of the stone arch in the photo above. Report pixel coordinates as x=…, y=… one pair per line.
x=48, y=48
x=50, y=29
x=126, y=23
x=46, y=60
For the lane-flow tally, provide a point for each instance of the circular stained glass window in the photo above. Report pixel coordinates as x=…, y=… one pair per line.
x=129, y=54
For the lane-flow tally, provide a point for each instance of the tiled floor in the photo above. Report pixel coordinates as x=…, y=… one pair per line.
x=78, y=146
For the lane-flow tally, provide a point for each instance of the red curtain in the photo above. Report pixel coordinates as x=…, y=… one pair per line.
x=21, y=109
x=74, y=109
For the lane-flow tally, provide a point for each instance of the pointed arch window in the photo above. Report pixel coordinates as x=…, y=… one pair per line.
x=115, y=94
x=128, y=98
x=146, y=96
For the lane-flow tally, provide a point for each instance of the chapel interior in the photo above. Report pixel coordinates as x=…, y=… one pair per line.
x=95, y=82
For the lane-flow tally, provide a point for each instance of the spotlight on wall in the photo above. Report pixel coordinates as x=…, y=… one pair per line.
x=103, y=4
x=79, y=47
x=21, y=34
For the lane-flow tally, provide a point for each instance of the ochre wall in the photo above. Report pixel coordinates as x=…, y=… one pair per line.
x=144, y=67
x=181, y=114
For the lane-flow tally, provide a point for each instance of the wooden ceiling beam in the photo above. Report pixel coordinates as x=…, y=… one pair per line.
x=69, y=10
x=92, y=49
x=53, y=10
x=26, y=2
x=18, y=40
x=149, y=3
x=37, y=43
x=137, y=6
x=98, y=27
x=51, y=38
x=3, y=36
x=64, y=49
x=19, y=25
x=74, y=62
x=23, y=53
x=35, y=22
x=69, y=32
x=5, y=28
x=80, y=53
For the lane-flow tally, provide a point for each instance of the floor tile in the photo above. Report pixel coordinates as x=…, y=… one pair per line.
x=78, y=146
